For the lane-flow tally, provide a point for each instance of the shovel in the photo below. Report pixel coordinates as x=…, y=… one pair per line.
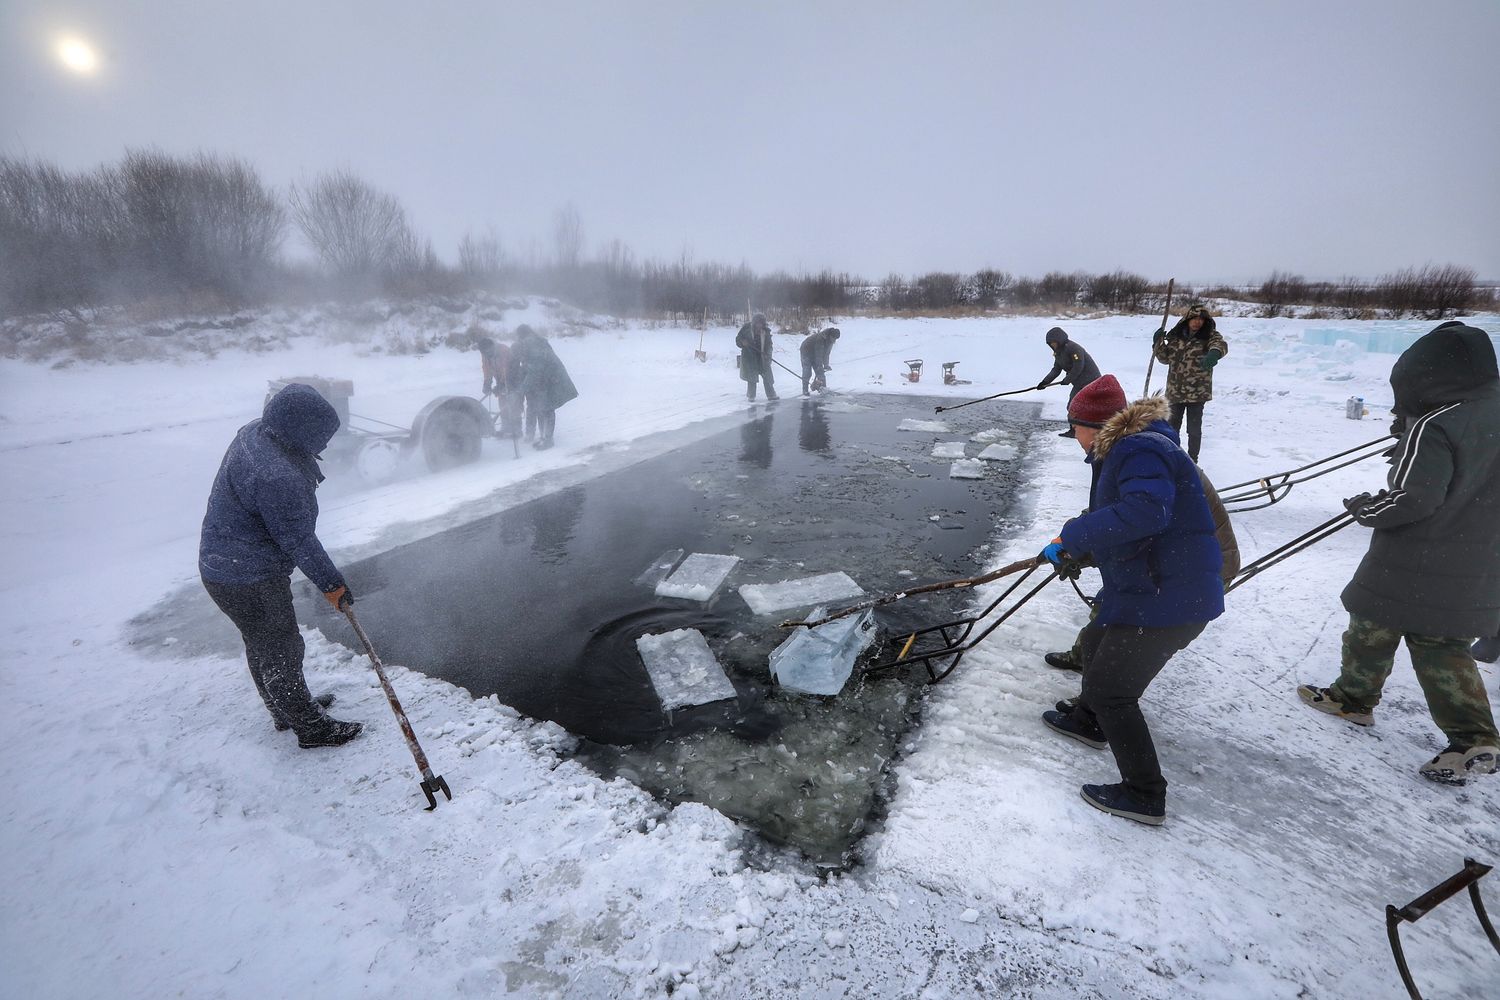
x=431, y=783
x=700, y=354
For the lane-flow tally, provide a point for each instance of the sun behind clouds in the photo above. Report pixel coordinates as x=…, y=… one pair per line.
x=77, y=55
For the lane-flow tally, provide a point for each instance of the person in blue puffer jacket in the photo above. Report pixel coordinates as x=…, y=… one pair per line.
x=1151, y=533
x=261, y=523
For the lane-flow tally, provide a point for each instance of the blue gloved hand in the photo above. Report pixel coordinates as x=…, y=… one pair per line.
x=1054, y=553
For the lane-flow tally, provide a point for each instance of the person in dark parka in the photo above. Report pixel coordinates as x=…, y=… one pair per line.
x=754, y=342
x=261, y=523
x=1432, y=573
x=1191, y=350
x=1070, y=361
x=1151, y=533
x=544, y=382
x=816, y=350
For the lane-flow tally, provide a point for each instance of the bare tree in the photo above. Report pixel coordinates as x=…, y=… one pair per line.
x=480, y=257
x=567, y=237
x=356, y=230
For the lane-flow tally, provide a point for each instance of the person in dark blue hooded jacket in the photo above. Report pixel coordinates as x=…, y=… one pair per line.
x=261, y=523
x=1150, y=531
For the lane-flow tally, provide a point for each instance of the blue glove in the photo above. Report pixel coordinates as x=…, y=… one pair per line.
x=1054, y=553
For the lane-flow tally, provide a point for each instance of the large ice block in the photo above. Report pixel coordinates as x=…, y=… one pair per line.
x=698, y=578
x=998, y=453
x=765, y=598
x=820, y=660
x=659, y=568
x=683, y=669
x=930, y=426
x=948, y=449
x=966, y=468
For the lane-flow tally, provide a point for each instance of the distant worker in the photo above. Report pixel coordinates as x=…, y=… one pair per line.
x=816, y=349
x=1431, y=576
x=544, y=382
x=754, y=342
x=1190, y=350
x=1070, y=361
x=261, y=521
x=502, y=378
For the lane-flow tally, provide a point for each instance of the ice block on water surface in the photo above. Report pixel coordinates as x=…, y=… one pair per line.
x=765, y=598
x=659, y=568
x=948, y=449
x=698, y=578
x=819, y=660
x=997, y=453
x=683, y=669
x=966, y=468
x=930, y=426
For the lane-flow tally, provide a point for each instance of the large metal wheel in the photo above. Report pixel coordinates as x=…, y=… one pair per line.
x=450, y=437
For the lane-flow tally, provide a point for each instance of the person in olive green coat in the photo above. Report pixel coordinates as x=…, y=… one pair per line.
x=1191, y=350
x=1432, y=572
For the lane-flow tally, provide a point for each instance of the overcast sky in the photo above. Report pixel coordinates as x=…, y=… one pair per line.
x=1210, y=141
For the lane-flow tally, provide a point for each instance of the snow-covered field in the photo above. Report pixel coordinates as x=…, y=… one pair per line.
x=159, y=838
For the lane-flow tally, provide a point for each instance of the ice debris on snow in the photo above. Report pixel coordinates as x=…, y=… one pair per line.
x=967, y=468
x=927, y=426
x=948, y=449
x=819, y=660
x=766, y=598
x=683, y=669
x=698, y=578
x=997, y=453
x=969, y=916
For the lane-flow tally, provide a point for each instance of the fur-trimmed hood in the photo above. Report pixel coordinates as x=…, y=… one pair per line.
x=1136, y=417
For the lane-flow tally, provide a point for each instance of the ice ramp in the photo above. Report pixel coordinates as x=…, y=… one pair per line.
x=683, y=670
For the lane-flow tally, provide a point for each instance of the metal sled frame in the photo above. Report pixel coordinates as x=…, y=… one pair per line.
x=950, y=377
x=1418, y=908
x=956, y=634
x=913, y=371
x=1255, y=494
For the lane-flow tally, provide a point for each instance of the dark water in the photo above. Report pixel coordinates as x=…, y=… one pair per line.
x=541, y=604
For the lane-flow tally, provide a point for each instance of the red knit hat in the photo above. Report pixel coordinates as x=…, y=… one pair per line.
x=1097, y=402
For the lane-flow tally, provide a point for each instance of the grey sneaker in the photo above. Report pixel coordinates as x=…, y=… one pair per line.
x=1455, y=765
x=1323, y=700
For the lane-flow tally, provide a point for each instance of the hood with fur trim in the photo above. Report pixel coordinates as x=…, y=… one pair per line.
x=1136, y=417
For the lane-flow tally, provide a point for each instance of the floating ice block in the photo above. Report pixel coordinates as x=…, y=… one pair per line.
x=659, y=568
x=989, y=435
x=948, y=449
x=997, y=453
x=764, y=598
x=967, y=468
x=683, y=669
x=698, y=578
x=820, y=660
x=929, y=426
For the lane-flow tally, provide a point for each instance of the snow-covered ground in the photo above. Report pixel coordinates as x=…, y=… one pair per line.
x=160, y=838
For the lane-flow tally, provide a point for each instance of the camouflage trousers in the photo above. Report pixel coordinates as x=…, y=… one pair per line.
x=1076, y=653
x=1444, y=667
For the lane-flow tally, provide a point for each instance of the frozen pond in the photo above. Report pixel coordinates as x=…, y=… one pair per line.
x=543, y=603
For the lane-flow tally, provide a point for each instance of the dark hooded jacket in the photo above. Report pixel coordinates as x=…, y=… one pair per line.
x=263, y=509
x=544, y=379
x=1433, y=566
x=756, y=348
x=1070, y=361
x=817, y=348
x=1148, y=527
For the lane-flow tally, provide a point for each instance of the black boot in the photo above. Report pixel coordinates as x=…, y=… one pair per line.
x=1487, y=650
x=331, y=733
x=324, y=700
x=1063, y=661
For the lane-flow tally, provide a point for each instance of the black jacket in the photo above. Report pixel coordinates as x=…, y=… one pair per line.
x=1433, y=566
x=1074, y=364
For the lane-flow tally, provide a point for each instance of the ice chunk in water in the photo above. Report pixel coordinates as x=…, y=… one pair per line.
x=930, y=426
x=764, y=598
x=990, y=435
x=998, y=453
x=698, y=578
x=967, y=468
x=659, y=568
x=820, y=660
x=948, y=449
x=683, y=669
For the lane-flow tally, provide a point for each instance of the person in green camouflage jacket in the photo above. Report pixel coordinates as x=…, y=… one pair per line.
x=1191, y=350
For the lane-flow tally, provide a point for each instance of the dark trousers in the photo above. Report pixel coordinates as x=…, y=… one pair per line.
x=1120, y=662
x=546, y=423
x=273, y=648
x=814, y=373
x=1194, y=413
